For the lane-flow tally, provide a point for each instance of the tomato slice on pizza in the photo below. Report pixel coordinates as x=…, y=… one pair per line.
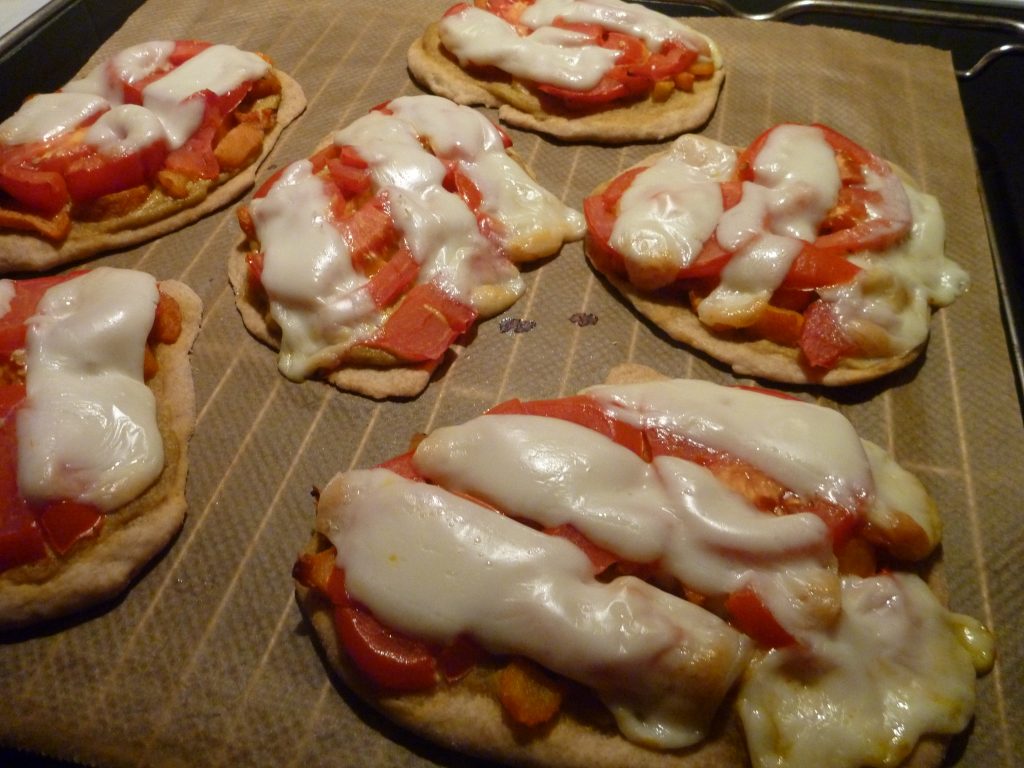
x=803, y=257
x=148, y=134
x=643, y=551
x=586, y=69
x=95, y=412
x=365, y=262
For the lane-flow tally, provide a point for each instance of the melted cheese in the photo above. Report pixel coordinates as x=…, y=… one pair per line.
x=317, y=296
x=548, y=54
x=808, y=448
x=219, y=68
x=668, y=511
x=654, y=28
x=671, y=209
x=128, y=66
x=318, y=300
x=659, y=663
x=899, y=491
x=796, y=182
x=554, y=56
x=171, y=100
x=125, y=130
x=49, y=115
x=896, y=288
x=897, y=666
x=88, y=429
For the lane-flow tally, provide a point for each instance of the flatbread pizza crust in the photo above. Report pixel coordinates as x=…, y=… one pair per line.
x=466, y=716
x=435, y=69
x=98, y=569
x=759, y=358
x=159, y=215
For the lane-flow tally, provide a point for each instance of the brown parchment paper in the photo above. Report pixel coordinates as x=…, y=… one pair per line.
x=207, y=662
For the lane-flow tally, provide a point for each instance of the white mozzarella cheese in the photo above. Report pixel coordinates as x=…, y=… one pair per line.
x=88, y=429
x=436, y=566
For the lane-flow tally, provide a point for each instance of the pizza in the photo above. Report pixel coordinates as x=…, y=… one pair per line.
x=364, y=263
x=589, y=70
x=96, y=410
x=154, y=138
x=802, y=258
x=653, y=572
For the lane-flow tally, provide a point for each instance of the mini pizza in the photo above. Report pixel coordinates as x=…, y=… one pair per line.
x=595, y=70
x=651, y=573
x=151, y=140
x=97, y=409
x=364, y=263
x=802, y=258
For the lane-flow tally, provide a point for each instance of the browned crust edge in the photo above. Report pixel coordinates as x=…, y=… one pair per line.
x=432, y=68
x=98, y=570
x=29, y=253
x=467, y=717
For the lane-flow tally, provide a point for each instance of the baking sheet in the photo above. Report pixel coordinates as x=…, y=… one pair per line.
x=207, y=660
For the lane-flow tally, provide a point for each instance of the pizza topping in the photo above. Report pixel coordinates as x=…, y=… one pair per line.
x=584, y=53
x=49, y=115
x=88, y=431
x=803, y=238
x=537, y=552
x=667, y=512
x=896, y=667
x=398, y=235
x=78, y=437
x=811, y=449
x=156, y=109
x=654, y=659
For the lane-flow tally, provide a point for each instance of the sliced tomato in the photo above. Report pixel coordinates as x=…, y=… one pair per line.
x=390, y=659
x=403, y=465
x=586, y=412
x=195, y=158
x=66, y=522
x=369, y=230
x=97, y=174
x=753, y=618
x=823, y=341
x=672, y=59
x=21, y=539
x=319, y=159
x=186, y=49
x=600, y=212
x=266, y=186
x=44, y=192
x=843, y=523
x=424, y=325
x=600, y=558
x=392, y=279
x=617, y=85
x=351, y=181
x=467, y=189
x=456, y=659
x=815, y=267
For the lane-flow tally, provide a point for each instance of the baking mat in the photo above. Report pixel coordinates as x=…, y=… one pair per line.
x=206, y=661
